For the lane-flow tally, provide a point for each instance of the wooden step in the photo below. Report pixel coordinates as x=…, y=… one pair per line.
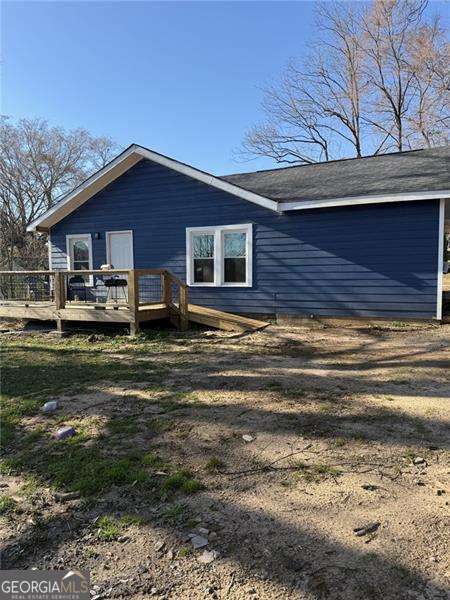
x=223, y=320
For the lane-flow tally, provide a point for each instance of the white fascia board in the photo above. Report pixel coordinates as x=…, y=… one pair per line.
x=372, y=199
x=120, y=165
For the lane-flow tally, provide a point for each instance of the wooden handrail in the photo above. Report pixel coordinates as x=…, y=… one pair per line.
x=96, y=272
x=177, y=280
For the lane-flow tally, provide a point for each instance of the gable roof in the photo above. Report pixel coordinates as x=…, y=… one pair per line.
x=412, y=175
x=388, y=174
x=122, y=163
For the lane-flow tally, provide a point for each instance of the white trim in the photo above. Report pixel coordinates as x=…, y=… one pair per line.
x=49, y=250
x=120, y=165
x=79, y=236
x=370, y=199
x=440, y=273
x=108, y=249
x=218, y=231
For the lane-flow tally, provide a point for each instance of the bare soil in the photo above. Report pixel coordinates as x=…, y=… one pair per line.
x=347, y=428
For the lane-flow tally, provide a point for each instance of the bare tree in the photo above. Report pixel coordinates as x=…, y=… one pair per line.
x=38, y=163
x=429, y=56
x=316, y=109
x=375, y=81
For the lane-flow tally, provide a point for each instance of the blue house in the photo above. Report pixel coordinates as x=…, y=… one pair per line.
x=349, y=238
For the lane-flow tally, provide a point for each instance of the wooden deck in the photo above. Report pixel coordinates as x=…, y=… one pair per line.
x=132, y=312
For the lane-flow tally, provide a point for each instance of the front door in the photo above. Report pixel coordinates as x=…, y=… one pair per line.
x=119, y=249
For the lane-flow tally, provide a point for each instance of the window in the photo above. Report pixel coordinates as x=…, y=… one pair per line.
x=79, y=253
x=219, y=256
x=234, y=253
x=203, y=257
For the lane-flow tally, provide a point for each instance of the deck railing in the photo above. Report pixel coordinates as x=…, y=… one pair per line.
x=132, y=289
x=27, y=286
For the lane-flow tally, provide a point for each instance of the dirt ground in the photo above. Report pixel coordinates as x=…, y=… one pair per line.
x=344, y=428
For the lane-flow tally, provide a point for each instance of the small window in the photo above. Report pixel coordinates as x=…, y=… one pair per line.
x=219, y=256
x=203, y=253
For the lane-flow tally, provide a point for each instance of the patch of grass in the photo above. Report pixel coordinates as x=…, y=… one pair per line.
x=30, y=488
x=122, y=426
x=339, y=442
x=160, y=425
x=72, y=466
x=184, y=551
x=7, y=466
x=50, y=367
x=310, y=477
x=11, y=412
x=410, y=454
x=214, y=465
x=151, y=459
x=315, y=473
x=181, y=481
x=421, y=428
x=326, y=470
x=108, y=528
x=128, y=520
x=7, y=505
x=173, y=514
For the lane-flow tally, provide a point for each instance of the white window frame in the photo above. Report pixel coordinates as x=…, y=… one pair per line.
x=86, y=237
x=219, y=259
x=108, y=246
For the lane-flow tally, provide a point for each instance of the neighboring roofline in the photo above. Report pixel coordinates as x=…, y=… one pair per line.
x=304, y=204
x=124, y=161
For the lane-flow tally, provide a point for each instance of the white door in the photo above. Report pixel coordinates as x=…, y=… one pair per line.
x=119, y=249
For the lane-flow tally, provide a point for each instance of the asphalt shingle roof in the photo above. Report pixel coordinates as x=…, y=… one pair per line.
x=413, y=171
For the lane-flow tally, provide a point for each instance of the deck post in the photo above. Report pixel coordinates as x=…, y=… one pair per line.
x=61, y=327
x=166, y=288
x=133, y=301
x=60, y=290
x=184, y=317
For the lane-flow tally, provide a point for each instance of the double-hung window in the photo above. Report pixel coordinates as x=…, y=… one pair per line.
x=219, y=256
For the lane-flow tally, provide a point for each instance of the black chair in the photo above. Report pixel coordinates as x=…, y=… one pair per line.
x=76, y=288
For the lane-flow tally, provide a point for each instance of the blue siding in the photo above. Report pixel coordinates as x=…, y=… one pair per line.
x=370, y=261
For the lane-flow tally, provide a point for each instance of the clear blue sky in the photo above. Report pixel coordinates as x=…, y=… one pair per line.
x=182, y=78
